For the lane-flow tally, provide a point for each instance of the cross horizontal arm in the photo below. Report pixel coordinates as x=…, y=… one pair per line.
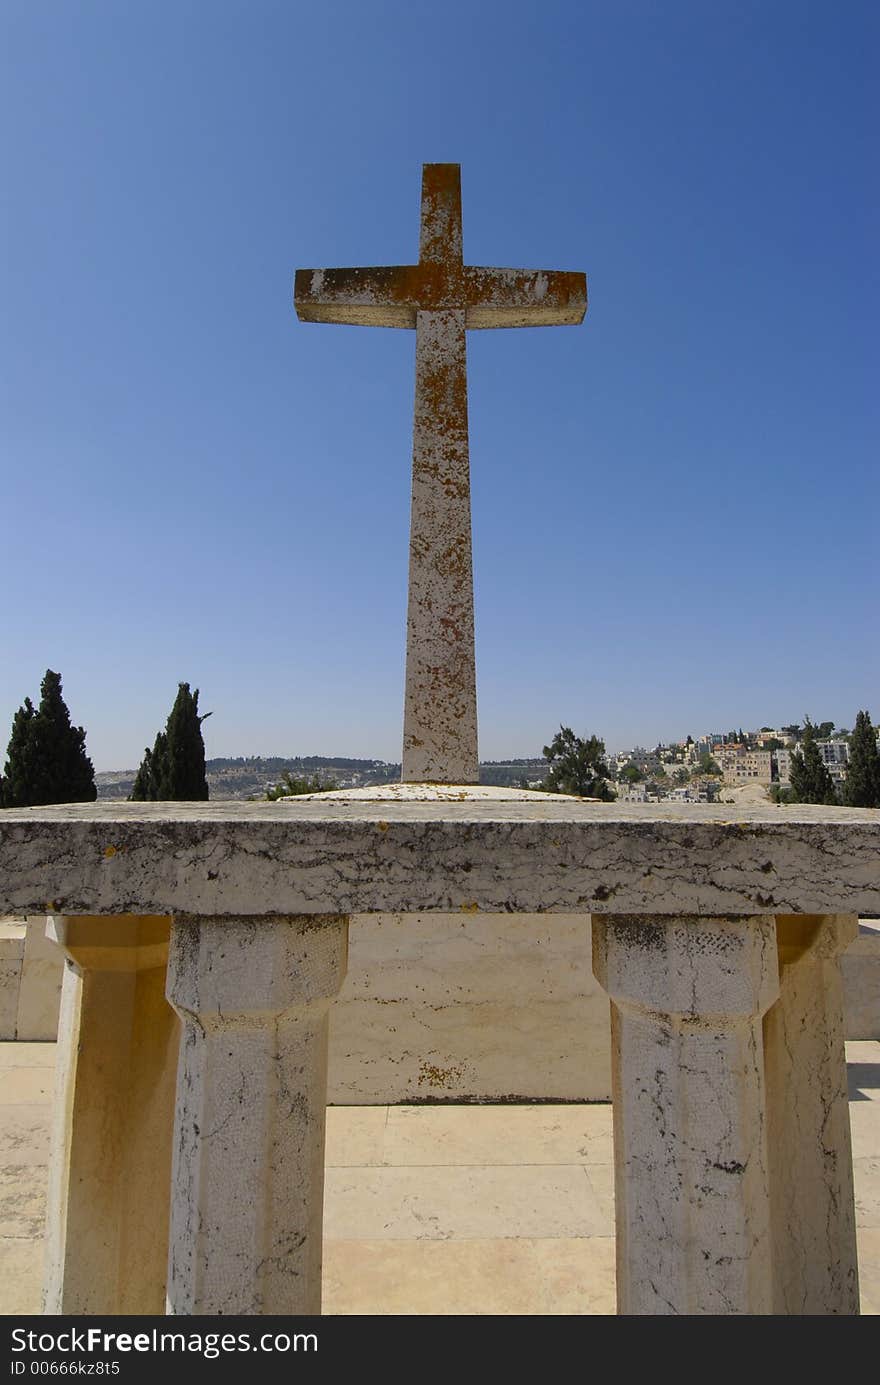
x=380, y=297
x=525, y=297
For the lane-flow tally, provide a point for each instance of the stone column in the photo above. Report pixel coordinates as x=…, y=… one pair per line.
x=110, y=1170
x=815, y=1270
x=248, y=1181
x=692, y=1203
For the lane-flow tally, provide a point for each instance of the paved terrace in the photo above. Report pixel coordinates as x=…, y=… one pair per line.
x=716, y=934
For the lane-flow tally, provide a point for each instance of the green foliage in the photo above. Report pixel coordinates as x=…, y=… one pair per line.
x=174, y=770
x=46, y=758
x=825, y=730
x=778, y=794
x=290, y=786
x=20, y=761
x=810, y=780
x=681, y=776
x=148, y=780
x=631, y=774
x=862, y=788
x=577, y=766
x=707, y=766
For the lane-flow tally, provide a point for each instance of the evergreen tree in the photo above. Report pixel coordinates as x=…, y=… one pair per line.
x=19, y=772
x=290, y=786
x=809, y=777
x=175, y=768
x=862, y=788
x=577, y=766
x=46, y=758
x=148, y=780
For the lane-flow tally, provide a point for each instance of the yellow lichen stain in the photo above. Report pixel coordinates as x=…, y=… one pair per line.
x=432, y=1076
x=382, y=826
x=110, y=851
x=470, y=908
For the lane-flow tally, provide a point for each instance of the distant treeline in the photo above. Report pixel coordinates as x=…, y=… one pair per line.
x=511, y=774
x=505, y=773
x=529, y=760
x=281, y=762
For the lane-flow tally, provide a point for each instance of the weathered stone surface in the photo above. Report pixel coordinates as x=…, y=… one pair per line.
x=12, y=935
x=39, y=999
x=545, y=854
x=440, y=706
x=690, y=1148
x=815, y=1268
x=441, y=297
x=451, y=1007
x=432, y=1005
x=248, y=1178
x=860, y=968
x=107, y=1222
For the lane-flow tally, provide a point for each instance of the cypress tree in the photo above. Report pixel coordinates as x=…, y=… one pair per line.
x=185, y=764
x=18, y=774
x=862, y=788
x=810, y=780
x=46, y=759
x=175, y=768
x=148, y=780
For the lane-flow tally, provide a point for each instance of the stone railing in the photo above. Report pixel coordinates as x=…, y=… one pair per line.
x=716, y=938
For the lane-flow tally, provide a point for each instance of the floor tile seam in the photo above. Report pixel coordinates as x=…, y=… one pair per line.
x=598, y=1163
x=27, y=1067
x=458, y=1239
x=450, y=1240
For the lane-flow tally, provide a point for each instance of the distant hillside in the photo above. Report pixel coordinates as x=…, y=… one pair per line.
x=250, y=777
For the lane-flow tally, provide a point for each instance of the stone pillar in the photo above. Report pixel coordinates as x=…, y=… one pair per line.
x=815, y=1270
x=692, y=1203
x=248, y=1181
x=110, y=1170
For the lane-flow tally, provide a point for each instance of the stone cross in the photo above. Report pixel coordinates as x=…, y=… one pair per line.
x=440, y=297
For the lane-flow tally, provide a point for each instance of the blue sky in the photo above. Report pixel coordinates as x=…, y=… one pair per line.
x=675, y=505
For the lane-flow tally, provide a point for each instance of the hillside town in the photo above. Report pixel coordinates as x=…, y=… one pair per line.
x=698, y=770
x=701, y=769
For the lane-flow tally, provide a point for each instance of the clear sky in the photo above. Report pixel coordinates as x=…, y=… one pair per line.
x=675, y=504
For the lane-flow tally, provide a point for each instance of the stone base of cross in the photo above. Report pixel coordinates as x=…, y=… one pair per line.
x=441, y=298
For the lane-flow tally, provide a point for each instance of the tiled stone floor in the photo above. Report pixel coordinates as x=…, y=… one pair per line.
x=432, y=1209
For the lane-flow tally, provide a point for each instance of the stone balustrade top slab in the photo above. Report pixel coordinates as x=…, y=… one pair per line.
x=413, y=848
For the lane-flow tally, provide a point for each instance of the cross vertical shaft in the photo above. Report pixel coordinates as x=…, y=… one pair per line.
x=440, y=704
x=440, y=707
